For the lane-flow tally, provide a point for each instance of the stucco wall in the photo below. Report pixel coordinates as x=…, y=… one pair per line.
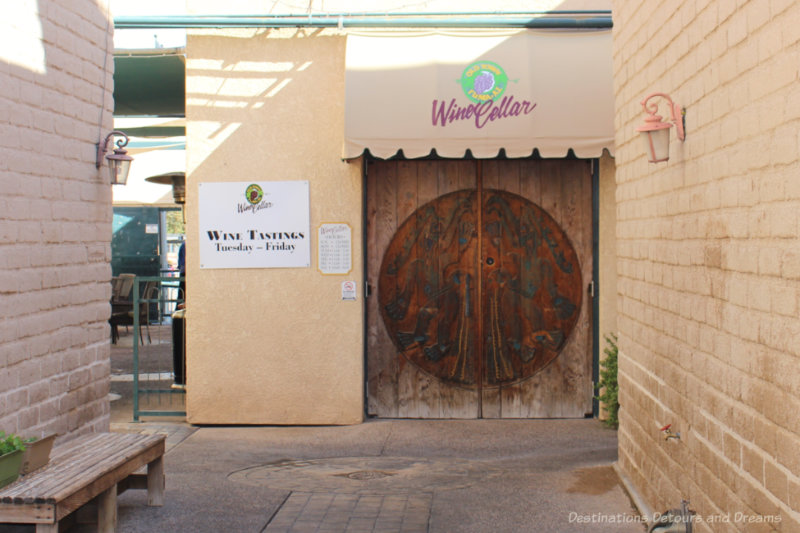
x=279, y=345
x=55, y=217
x=272, y=345
x=708, y=261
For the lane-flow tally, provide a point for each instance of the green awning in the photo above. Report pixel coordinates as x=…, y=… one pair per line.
x=150, y=82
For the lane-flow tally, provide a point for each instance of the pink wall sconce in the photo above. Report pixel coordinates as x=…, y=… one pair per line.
x=655, y=131
x=119, y=163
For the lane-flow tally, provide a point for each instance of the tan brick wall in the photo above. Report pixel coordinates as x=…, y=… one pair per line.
x=55, y=217
x=607, y=249
x=709, y=275
x=607, y=261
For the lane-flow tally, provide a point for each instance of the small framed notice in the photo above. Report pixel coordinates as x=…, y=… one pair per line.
x=335, y=252
x=349, y=291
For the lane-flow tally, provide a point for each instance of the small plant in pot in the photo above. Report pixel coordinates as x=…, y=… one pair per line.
x=11, y=448
x=37, y=453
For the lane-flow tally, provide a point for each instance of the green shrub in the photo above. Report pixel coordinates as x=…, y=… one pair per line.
x=10, y=443
x=608, y=382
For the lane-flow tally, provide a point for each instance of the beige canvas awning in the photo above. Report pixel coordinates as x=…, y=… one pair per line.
x=482, y=91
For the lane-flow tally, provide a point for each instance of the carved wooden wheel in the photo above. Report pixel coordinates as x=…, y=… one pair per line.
x=480, y=291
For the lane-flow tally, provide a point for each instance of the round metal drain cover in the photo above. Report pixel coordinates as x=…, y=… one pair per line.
x=362, y=475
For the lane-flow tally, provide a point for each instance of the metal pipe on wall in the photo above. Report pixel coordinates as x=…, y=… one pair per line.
x=542, y=20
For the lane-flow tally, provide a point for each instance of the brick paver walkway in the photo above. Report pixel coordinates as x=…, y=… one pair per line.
x=310, y=512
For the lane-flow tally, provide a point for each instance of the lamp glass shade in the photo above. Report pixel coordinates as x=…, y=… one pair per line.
x=118, y=170
x=656, y=144
x=119, y=164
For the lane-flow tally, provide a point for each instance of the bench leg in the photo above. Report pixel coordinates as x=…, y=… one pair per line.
x=155, y=482
x=47, y=528
x=107, y=511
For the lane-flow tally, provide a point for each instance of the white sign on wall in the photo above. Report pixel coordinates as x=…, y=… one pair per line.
x=254, y=224
x=334, y=249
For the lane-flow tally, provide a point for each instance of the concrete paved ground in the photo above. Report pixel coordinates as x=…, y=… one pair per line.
x=387, y=475
x=384, y=475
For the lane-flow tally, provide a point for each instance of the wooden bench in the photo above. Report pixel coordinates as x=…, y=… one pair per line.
x=97, y=465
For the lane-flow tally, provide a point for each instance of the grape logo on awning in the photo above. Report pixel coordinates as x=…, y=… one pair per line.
x=484, y=84
x=483, y=81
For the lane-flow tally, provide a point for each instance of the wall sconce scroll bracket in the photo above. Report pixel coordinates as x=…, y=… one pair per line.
x=655, y=131
x=119, y=163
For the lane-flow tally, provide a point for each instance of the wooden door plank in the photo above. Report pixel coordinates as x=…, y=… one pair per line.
x=467, y=175
x=584, y=224
x=490, y=174
x=512, y=399
x=414, y=401
x=562, y=388
x=427, y=182
x=550, y=189
x=434, y=318
x=371, y=303
x=575, y=179
x=509, y=176
x=530, y=398
x=558, y=386
x=406, y=179
x=530, y=180
x=427, y=387
x=502, y=175
x=387, y=224
x=461, y=402
x=382, y=365
x=448, y=177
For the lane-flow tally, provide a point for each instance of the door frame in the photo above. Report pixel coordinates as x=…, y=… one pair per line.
x=593, y=293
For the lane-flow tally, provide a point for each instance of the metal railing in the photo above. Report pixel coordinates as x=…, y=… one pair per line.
x=156, y=391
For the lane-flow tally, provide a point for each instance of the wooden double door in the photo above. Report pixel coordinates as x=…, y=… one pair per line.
x=479, y=271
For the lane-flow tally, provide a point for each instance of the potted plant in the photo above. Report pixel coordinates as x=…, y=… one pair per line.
x=37, y=453
x=11, y=448
x=609, y=384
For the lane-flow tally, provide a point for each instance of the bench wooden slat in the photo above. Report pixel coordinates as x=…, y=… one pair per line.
x=81, y=470
x=37, y=488
x=88, y=492
x=120, y=462
x=29, y=514
x=56, y=471
x=75, y=462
